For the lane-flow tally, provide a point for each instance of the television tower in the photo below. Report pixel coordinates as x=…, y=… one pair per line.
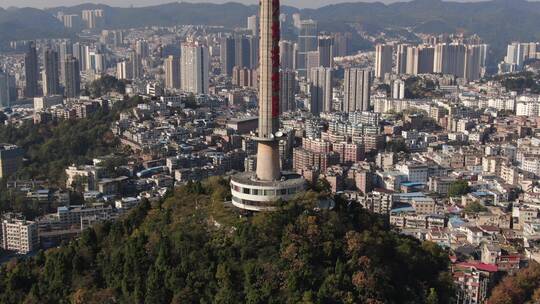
x=262, y=191
x=268, y=141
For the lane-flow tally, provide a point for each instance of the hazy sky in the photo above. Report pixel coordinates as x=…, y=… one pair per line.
x=52, y=3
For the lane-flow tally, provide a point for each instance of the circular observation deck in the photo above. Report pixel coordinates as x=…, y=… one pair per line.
x=251, y=194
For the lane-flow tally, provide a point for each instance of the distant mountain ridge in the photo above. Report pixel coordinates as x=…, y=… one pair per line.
x=497, y=21
x=28, y=23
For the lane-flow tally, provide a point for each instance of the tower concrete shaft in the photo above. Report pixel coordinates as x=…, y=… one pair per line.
x=268, y=167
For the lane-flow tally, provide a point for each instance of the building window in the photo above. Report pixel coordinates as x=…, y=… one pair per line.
x=269, y=192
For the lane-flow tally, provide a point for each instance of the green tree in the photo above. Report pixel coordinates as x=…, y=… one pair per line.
x=432, y=298
x=459, y=188
x=475, y=207
x=105, y=85
x=520, y=288
x=3, y=117
x=397, y=146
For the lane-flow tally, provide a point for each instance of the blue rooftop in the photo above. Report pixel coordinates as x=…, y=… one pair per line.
x=63, y=209
x=402, y=210
x=480, y=193
x=456, y=221
x=412, y=194
x=412, y=184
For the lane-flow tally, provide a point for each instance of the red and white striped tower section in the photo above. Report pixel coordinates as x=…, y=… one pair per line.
x=268, y=168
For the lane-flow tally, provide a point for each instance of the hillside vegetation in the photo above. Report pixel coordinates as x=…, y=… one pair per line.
x=190, y=248
x=524, y=287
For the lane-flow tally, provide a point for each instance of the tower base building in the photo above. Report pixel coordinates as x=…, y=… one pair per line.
x=251, y=194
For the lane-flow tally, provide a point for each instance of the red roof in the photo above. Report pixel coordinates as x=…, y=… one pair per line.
x=382, y=190
x=488, y=228
x=480, y=266
x=511, y=258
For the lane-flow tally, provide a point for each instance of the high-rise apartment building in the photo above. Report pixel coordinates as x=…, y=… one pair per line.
x=312, y=61
x=383, y=60
x=473, y=63
x=77, y=53
x=123, y=70
x=253, y=25
x=8, y=89
x=135, y=65
x=401, y=58
x=243, y=52
x=13, y=91
x=288, y=91
x=438, y=59
x=85, y=59
x=95, y=61
x=357, y=85
x=450, y=59
x=254, y=51
x=398, y=89
x=286, y=55
x=326, y=51
x=172, y=72
x=10, y=159
x=296, y=20
x=5, y=94
x=426, y=56
x=94, y=19
x=517, y=53
x=484, y=48
x=342, y=44
x=321, y=90
x=72, y=74
x=420, y=60
x=244, y=77
x=227, y=55
x=31, y=68
x=142, y=48
x=412, y=61
x=51, y=76
x=65, y=49
x=72, y=21
x=195, y=67
x=307, y=42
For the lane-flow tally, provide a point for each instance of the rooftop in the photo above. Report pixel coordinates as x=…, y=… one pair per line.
x=287, y=179
x=4, y=146
x=479, y=266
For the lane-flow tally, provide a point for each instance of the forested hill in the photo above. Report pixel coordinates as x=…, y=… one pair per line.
x=190, y=249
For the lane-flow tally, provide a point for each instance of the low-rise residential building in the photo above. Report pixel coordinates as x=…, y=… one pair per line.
x=18, y=235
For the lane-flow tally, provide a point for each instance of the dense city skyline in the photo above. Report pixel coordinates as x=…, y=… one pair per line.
x=142, y=3
x=353, y=153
